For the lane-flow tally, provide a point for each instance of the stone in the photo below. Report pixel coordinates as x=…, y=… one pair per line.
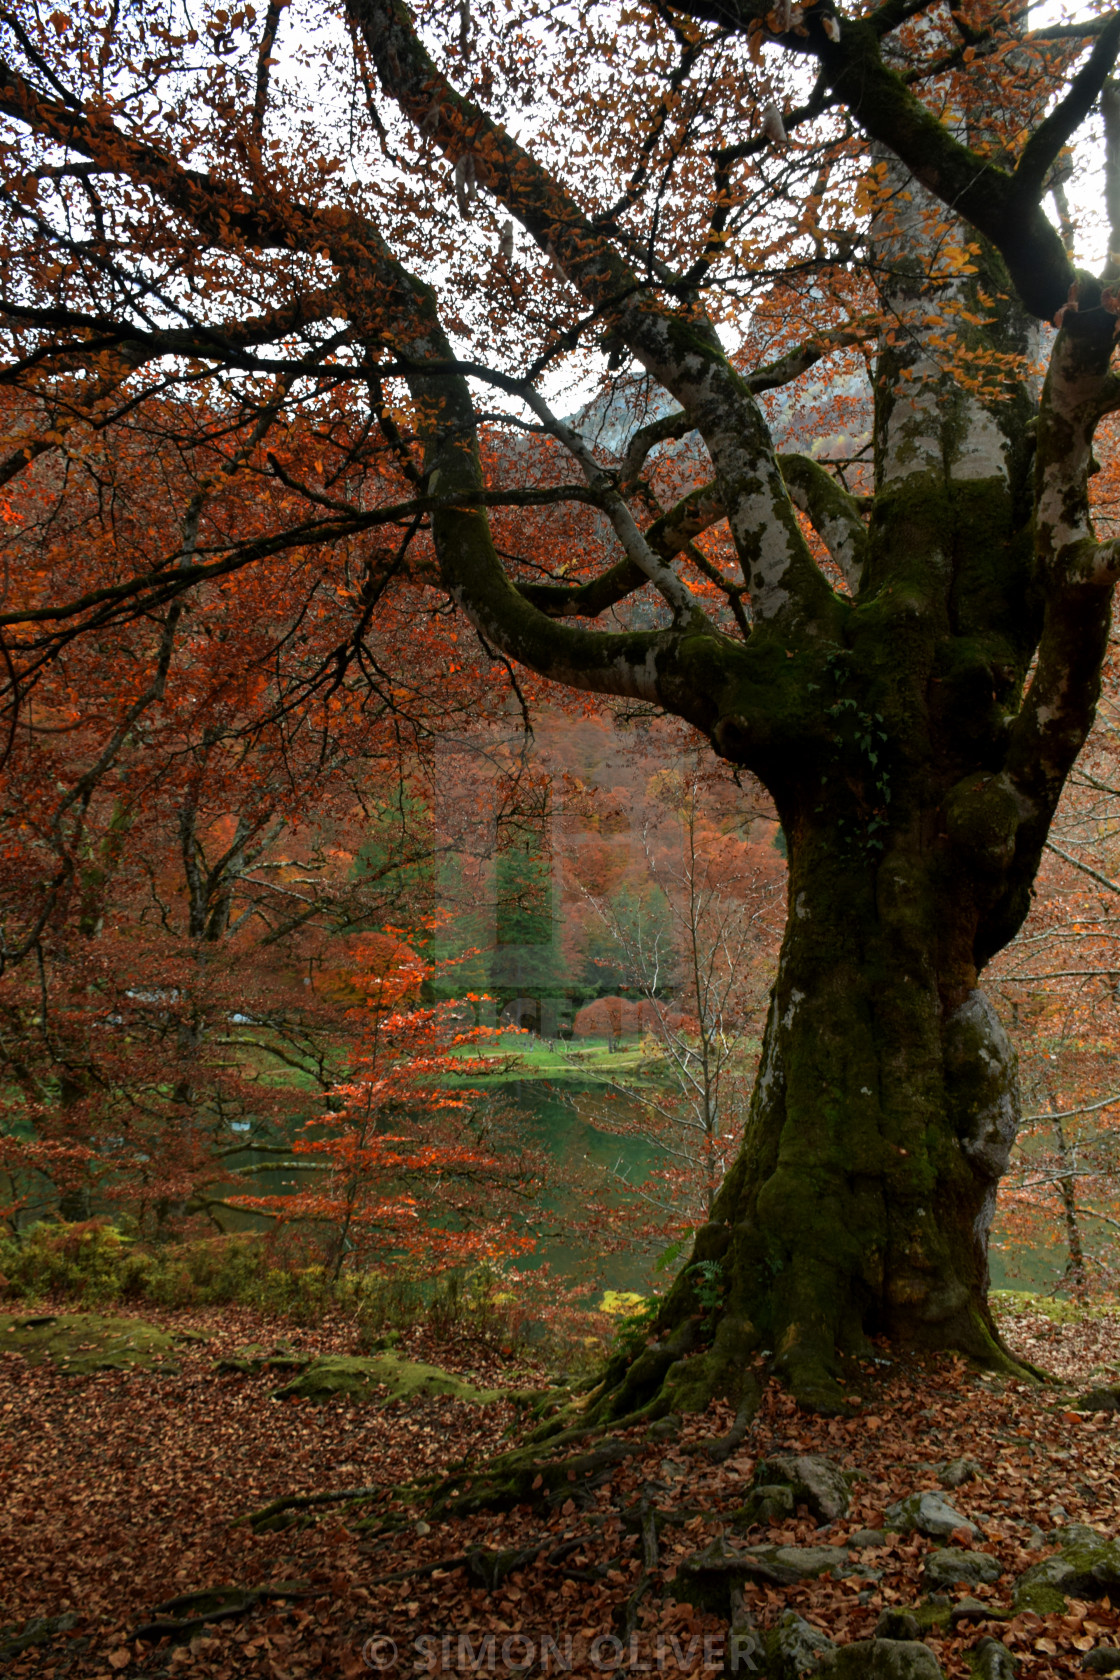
x=78, y=1343
x=864, y=1538
x=364, y=1379
x=37, y=1631
x=932, y=1614
x=989, y=1660
x=1088, y=1567
x=1104, y=1660
x=815, y=1481
x=711, y=1578
x=972, y=1610
x=929, y=1514
x=881, y=1659
x=952, y=1568
x=805, y=1563
x=897, y=1624
x=957, y=1472
x=770, y=1503
x=1105, y=1398
x=1077, y=1534
x=795, y=1648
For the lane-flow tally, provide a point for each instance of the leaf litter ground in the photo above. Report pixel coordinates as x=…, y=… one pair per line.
x=119, y=1490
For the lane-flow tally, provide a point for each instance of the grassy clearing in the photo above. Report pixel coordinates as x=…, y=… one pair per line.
x=96, y=1264
x=1058, y=1309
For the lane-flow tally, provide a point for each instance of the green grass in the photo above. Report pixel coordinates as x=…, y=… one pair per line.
x=519, y=1057
x=1058, y=1309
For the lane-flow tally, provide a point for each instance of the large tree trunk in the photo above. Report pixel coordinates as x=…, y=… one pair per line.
x=881, y=1122
x=887, y=1103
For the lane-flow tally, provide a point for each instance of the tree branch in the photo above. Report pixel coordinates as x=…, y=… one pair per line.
x=1056, y=129
x=832, y=512
x=681, y=349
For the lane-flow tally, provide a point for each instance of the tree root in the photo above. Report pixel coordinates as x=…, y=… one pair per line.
x=651, y=1558
x=720, y=1451
x=213, y=1604
x=262, y=1521
x=524, y=1477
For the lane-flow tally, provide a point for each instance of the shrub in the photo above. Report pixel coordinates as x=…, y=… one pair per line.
x=98, y=1262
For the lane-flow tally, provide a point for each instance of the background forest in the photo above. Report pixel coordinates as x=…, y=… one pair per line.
x=435, y=969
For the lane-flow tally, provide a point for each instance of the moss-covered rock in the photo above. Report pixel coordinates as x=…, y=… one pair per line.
x=989, y=1660
x=1043, y=1600
x=881, y=1659
x=1104, y=1398
x=953, y=1567
x=813, y=1481
x=79, y=1343
x=706, y=1579
x=957, y=1472
x=1088, y=1566
x=37, y=1631
x=897, y=1624
x=929, y=1514
x=795, y=1649
x=365, y=1379
x=770, y=1503
x=1104, y=1660
x=931, y=1617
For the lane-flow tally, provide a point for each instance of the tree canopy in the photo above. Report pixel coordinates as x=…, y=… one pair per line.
x=302, y=314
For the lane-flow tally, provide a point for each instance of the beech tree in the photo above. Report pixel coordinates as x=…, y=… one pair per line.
x=369, y=245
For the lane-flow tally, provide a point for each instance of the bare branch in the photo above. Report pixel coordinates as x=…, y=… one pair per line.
x=1086, y=869
x=1056, y=129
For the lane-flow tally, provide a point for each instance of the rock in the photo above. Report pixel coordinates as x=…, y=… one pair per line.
x=771, y=1503
x=989, y=1660
x=79, y=1343
x=930, y=1514
x=951, y=1568
x=881, y=1659
x=1088, y=1567
x=1105, y=1398
x=897, y=1624
x=932, y=1614
x=864, y=1538
x=1104, y=1660
x=1077, y=1534
x=707, y=1579
x=795, y=1648
x=804, y=1563
x=814, y=1481
x=971, y=1610
x=363, y=1378
x=957, y=1472
x=35, y=1632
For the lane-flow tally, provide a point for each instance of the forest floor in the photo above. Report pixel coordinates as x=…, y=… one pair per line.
x=118, y=1490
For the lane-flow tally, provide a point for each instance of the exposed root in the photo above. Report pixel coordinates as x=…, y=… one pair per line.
x=651, y=1558
x=484, y=1568
x=720, y=1451
x=172, y=1620
x=266, y=1518
x=526, y=1477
